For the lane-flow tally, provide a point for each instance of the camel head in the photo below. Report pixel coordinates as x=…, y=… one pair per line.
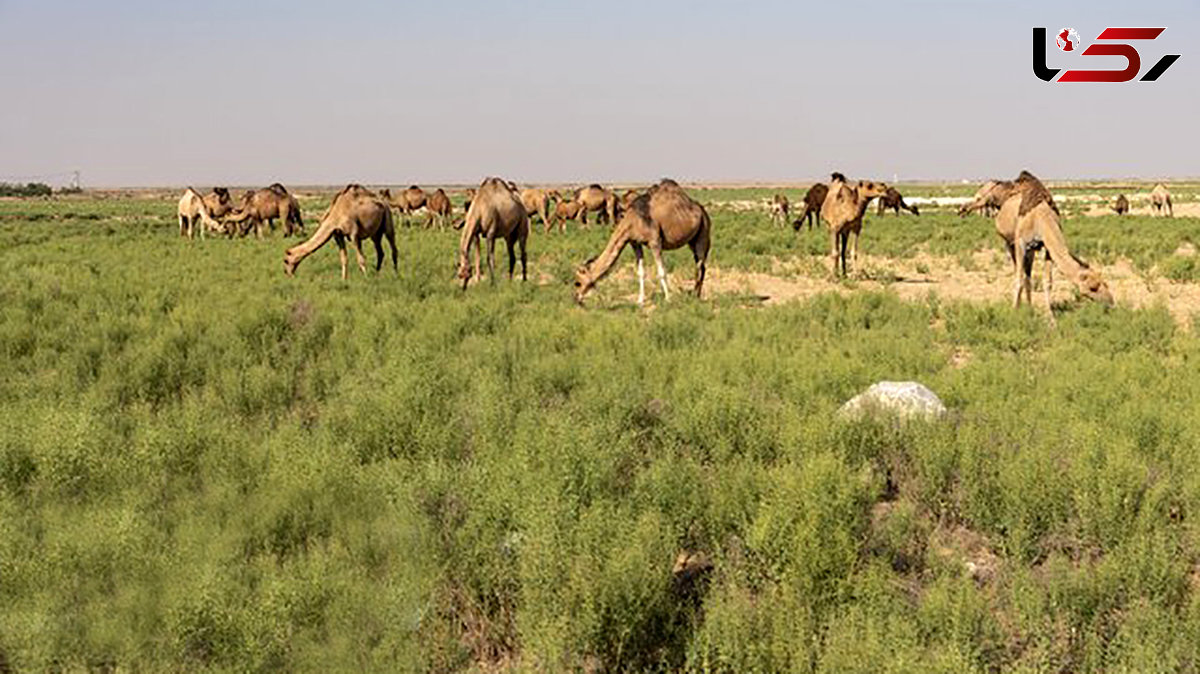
x=1093, y=287
x=584, y=280
x=290, y=262
x=870, y=188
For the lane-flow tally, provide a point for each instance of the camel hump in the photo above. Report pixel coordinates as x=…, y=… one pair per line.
x=668, y=182
x=278, y=189
x=837, y=177
x=1033, y=193
x=413, y=187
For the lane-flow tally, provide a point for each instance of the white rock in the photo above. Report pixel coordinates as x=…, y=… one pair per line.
x=903, y=399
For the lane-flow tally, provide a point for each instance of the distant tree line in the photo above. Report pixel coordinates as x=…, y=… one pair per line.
x=26, y=190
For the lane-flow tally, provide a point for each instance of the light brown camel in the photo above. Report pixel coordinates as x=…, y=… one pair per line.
x=563, y=211
x=439, y=208
x=665, y=218
x=1160, y=201
x=843, y=212
x=356, y=214
x=1121, y=205
x=194, y=214
x=988, y=198
x=596, y=198
x=265, y=205
x=1028, y=221
x=628, y=197
x=814, y=198
x=219, y=202
x=779, y=209
x=537, y=202
x=892, y=199
x=496, y=213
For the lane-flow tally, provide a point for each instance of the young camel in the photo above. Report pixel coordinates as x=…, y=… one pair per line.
x=665, y=218
x=194, y=211
x=1121, y=205
x=779, y=209
x=439, y=208
x=1160, y=201
x=1028, y=221
x=356, y=214
x=496, y=212
x=843, y=211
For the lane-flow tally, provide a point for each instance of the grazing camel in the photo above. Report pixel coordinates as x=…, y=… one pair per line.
x=1028, y=221
x=596, y=198
x=989, y=198
x=843, y=211
x=779, y=209
x=665, y=218
x=194, y=214
x=266, y=205
x=439, y=208
x=1121, y=205
x=564, y=211
x=1160, y=201
x=537, y=202
x=814, y=198
x=356, y=214
x=496, y=212
x=892, y=199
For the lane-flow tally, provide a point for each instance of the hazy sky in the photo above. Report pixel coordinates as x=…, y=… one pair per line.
x=154, y=92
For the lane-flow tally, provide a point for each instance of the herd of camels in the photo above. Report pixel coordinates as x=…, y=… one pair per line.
x=663, y=217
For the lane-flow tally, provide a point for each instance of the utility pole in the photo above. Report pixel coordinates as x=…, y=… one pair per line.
x=75, y=181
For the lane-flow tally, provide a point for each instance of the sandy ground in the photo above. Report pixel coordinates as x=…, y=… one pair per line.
x=989, y=280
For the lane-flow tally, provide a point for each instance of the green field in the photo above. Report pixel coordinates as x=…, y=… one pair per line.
x=207, y=465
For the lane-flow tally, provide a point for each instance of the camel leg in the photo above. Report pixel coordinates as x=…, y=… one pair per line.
x=843, y=241
x=854, y=249
x=524, y=259
x=391, y=239
x=641, y=272
x=378, y=241
x=340, y=240
x=656, y=251
x=833, y=251
x=182, y=226
x=512, y=256
x=700, y=253
x=477, y=244
x=491, y=258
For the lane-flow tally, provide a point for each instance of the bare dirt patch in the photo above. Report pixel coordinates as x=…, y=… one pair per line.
x=990, y=280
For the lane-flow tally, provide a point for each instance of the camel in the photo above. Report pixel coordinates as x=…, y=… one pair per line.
x=564, y=211
x=192, y=212
x=892, y=199
x=779, y=209
x=1028, y=221
x=266, y=205
x=439, y=207
x=1121, y=205
x=356, y=214
x=989, y=198
x=628, y=197
x=596, y=198
x=843, y=211
x=496, y=212
x=664, y=218
x=409, y=201
x=814, y=198
x=537, y=202
x=219, y=202
x=1160, y=201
